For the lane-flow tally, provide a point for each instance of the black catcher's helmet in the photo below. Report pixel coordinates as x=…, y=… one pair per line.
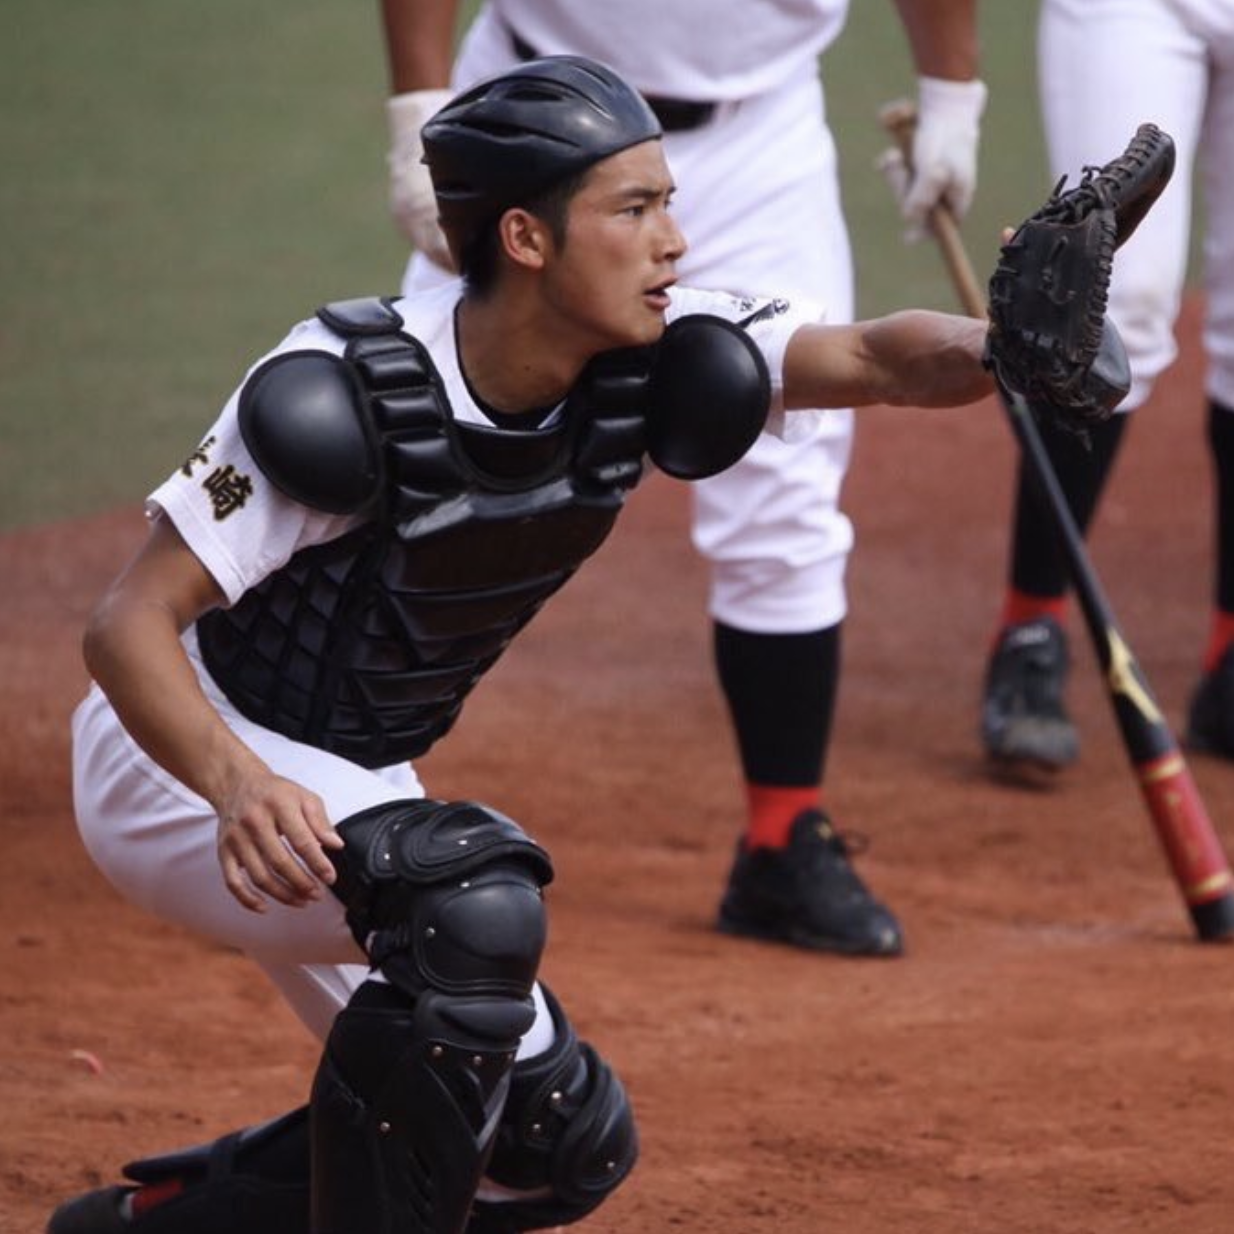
x=514, y=136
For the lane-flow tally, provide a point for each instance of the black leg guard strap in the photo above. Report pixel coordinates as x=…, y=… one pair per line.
x=568, y=1128
x=249, y=1182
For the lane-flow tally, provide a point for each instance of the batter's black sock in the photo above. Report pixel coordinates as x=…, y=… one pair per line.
x=781, y=691
x=1038, y=560
x=1221, y=445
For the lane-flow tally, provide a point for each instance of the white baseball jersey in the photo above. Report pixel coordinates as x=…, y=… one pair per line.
x=1105, y=66
x=694, y=49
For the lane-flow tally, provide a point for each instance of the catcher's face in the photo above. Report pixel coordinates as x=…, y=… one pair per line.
x=610, y=276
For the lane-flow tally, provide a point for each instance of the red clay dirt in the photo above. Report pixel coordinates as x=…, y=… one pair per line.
x=1054, y=1054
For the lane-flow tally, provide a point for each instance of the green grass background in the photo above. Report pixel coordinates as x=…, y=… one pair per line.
x=180, y=182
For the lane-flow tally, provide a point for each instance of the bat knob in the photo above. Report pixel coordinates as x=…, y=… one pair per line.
x=1214, y=919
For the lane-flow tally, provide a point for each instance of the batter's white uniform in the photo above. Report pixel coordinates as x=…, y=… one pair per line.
x=156, y=841
x=759, y=202
x=1106, y=66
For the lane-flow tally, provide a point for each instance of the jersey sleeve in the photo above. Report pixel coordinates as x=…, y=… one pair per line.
x=238, y=525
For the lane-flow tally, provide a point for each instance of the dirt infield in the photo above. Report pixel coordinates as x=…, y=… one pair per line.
x=1054, y=1054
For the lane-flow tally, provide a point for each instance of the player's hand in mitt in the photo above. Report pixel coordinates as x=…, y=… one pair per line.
x=1049, y=339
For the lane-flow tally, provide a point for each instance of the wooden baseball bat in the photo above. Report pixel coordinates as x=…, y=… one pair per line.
x=1191, y=844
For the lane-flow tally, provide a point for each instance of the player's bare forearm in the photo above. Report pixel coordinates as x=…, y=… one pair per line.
x=943, y=37
x=914, y=358
x=419, y=42
x=133, y=651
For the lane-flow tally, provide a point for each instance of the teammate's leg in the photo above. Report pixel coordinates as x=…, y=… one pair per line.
x=1024, y=718
x=758, y=199
x=1211, y=715
x=1091, y=106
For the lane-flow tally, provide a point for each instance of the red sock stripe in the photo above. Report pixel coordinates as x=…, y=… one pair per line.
x=1019, y=606
x=153, y=1194
x=1220, y=636
x=772, y=811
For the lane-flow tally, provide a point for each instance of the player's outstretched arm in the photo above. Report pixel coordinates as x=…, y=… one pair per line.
x=914, y=358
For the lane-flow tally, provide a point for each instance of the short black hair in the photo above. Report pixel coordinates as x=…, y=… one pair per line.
x=479, y=260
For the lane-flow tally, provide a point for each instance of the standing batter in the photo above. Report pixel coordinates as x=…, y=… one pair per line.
x=736, y=86
x=1105, y=66
x=387, y=499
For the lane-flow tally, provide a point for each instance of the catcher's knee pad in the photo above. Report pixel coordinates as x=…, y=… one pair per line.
x=567, y=1136
x=446, y=900
x=444, y=895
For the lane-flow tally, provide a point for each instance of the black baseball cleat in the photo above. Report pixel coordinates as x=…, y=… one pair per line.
x=95, y=1212
x=1023, y=720
x=807, y=894
x=1210, y=719
x=253, y=1179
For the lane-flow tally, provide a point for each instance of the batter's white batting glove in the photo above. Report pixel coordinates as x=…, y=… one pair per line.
x=411, y=188
x=944, y=157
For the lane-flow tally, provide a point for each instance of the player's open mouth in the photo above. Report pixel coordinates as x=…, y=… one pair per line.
x=658, y=296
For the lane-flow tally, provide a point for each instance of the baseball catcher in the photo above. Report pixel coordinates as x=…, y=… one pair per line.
x=1049, y=338
x=380, y=507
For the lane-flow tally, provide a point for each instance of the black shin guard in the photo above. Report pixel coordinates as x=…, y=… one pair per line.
x=405, y=1107
x=446, y=900
x=567, y=1137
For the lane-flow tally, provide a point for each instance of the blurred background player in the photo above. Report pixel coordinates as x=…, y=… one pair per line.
x=1103, y=67
x=736, y=87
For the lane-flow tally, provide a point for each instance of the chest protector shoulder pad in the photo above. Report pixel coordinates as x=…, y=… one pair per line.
x=303, y=416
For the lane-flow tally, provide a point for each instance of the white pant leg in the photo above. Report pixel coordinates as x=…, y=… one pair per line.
x=156, y=842
x=1216, y=158
x=1106, y=66
x=759, y=202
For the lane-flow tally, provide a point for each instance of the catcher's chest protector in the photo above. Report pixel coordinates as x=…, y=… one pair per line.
x=368, y=645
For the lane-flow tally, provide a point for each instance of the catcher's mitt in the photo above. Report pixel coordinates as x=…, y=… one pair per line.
x=1049, y=339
